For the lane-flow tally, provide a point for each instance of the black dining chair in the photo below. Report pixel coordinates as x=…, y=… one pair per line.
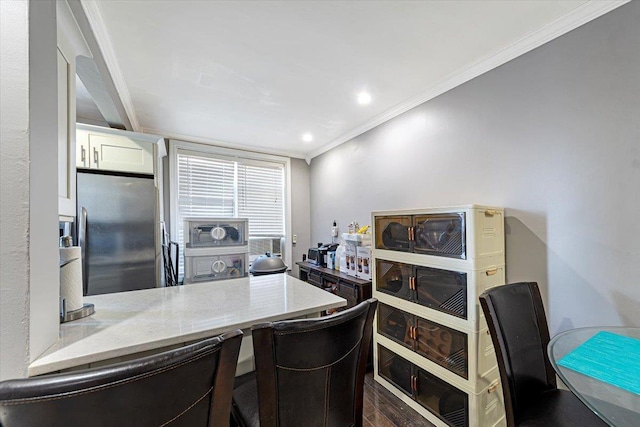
x=309, y=372
x=189, y=386
x=518, y=326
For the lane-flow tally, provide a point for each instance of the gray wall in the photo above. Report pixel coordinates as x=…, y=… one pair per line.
x=553, y=136
x=300, y=211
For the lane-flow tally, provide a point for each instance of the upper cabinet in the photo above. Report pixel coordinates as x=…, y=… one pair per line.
x=120, y=153
x=70, y=44
x=115, y=150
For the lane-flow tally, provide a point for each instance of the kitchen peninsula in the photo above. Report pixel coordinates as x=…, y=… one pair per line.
x=129, y=324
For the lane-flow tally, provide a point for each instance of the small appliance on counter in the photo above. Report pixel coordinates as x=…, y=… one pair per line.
x=318, y=256
x=267, y=264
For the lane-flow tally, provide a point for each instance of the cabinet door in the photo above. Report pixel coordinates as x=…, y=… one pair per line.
x=441, y=290
x=348, y=292
x=393, y=278
x=396, y=325
x=440, y=234
x=315, y=279
x=444, y=346
x=66, y=133
x=83, y=158
x=444, y=400
x=395, y=369
x=119, y=153
x=392, y=232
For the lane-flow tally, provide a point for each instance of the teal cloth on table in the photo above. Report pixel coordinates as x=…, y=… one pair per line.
x=608, y=357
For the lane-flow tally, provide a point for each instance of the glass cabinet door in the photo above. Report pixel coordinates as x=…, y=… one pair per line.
x=393, y=278
x=392, y=232
x=442, y=290
x=444, y=400
x=444, y=346
x=440, y=234
x=395, y=369
x=396, y=325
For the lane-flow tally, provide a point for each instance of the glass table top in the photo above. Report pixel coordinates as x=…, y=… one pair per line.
x=616, y=406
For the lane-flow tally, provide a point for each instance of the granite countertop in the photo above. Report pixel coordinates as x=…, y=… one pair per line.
x=131, y=322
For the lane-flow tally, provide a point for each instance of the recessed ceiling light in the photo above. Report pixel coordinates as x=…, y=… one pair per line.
x=307, y=137
x=364, y=98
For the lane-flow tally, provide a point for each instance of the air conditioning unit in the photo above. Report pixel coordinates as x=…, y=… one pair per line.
x=261, y=245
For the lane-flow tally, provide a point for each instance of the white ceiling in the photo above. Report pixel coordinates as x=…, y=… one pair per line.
x=259, y=74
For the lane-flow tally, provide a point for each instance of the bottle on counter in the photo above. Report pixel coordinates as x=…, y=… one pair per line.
x=341, y=258
x=334, y=231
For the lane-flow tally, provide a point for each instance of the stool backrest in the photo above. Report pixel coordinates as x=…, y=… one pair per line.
x=188, y=386
x=311, y=371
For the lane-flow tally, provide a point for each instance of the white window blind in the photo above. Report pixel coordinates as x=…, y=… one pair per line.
x=261, y=199
x=214, y=186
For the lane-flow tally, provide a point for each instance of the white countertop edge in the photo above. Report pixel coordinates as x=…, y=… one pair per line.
x=41, y=366
x=50, y=363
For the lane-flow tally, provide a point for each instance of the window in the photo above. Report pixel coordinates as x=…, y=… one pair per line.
x=215, y=182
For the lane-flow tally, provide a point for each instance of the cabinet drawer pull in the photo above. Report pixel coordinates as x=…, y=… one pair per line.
x=83, y=154
x=95, y=155
x=493, y=387
x=491, y=271
x=412, y=233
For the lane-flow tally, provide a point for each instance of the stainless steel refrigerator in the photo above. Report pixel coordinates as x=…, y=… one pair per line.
x=116, y=217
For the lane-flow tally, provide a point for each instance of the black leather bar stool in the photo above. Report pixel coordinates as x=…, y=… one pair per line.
x=518, y=325
x=309, y=372
x=190, y=386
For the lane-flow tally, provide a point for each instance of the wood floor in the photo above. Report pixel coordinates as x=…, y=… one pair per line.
x=383, y=409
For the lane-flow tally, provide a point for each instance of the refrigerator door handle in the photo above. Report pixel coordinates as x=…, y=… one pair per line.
x=82, y=241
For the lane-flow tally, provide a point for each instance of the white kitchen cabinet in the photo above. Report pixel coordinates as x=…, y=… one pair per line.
x=114, y=150
x=70, y=44
x=66, y=135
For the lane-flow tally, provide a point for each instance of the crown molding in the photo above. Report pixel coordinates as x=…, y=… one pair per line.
x=580, y=16
x=224, y=144
x=94, y=16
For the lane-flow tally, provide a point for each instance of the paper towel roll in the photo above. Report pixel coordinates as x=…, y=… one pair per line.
x=71, y=277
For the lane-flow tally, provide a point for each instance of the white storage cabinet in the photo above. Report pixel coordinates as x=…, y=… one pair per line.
x=432, y=347
x=71, y=44
x=215, y=249
x=118, y=151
